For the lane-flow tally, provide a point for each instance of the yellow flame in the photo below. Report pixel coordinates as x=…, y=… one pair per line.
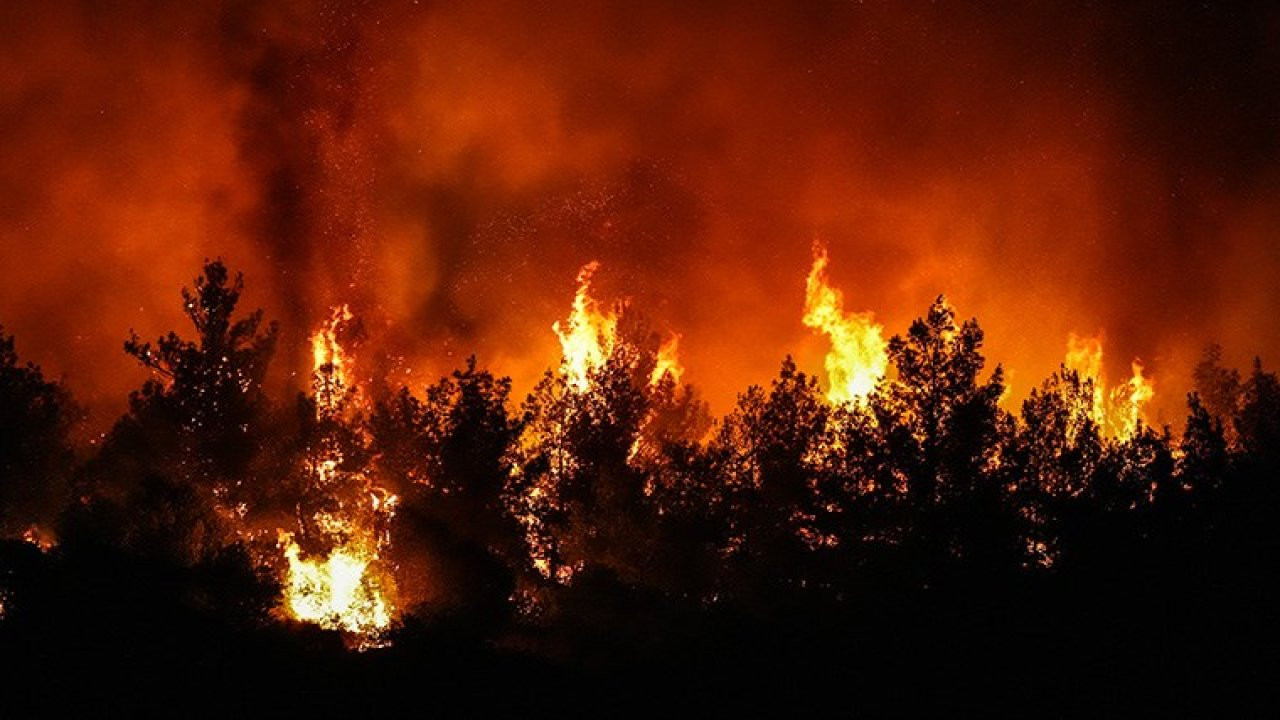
x=338, y=592
x=668, y=362
x=858, y=357
x=40, y=537
x=1128, y=400
x=330, y=362
x=587, y=340
x=590, y=335
x=1084, y=357
x=345, y=588
x=325, y=348
x=1118, y=413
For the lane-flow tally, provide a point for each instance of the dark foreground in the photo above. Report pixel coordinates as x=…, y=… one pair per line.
x=104, y=635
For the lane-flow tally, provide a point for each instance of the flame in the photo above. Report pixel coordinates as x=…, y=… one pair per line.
x=857, y=359
x=1118, y=413
x=668, y=362
x=587, y=340
x=591, y=334
x=1084, y=357
x=1127, y=401
x=346, y=588
x=339, y=592
x=330, y=362
x=40, y=537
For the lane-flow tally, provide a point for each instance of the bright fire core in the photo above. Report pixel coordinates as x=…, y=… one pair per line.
x=345, y=586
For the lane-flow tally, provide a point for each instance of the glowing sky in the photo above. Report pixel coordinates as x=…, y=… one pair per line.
x=447, y=167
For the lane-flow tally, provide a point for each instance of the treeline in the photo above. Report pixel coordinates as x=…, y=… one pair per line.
x=621, y=526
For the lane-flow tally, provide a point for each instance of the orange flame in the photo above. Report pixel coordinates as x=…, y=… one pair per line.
x=1117, y=414
x=587, y=340
x=345, y=589
x=668, y=362
x=40, y=537
x=591, y=334
x=857, y=359
x=330, y=363
x=1084, y=357
x=1127, y=402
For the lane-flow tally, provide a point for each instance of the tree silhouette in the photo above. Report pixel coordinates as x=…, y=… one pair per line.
x=1257, y=421
x=574, y=473
x=1059, y=452
x=36, y=457
x=948, y=439
x=768, y=450
x=1219, y=388
x=183, y=456
x=593, y=476
x=450, y=452
x=212, y=386
x=1204, y=458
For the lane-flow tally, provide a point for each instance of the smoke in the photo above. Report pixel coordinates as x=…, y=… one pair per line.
x=447, y=167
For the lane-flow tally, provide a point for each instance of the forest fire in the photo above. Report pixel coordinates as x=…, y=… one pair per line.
x=589, y=337
x=344, y=584
x=1118, y=412
x=588, y=354
x=857, y=359
x=339, y=592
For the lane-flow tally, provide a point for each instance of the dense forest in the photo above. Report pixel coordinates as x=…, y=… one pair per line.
x=606, y=545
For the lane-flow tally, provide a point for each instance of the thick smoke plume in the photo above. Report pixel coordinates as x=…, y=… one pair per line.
x=445, y=168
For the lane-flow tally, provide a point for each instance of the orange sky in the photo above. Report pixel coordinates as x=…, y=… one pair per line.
x=447, y=167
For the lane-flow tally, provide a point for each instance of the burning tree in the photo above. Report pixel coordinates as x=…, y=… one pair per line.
x=212, y=387
x=589, y=470
x=337, y=575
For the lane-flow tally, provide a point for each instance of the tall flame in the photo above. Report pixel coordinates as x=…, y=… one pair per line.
x=1118, y=413
x=346, y=588
x=1128, y=399
x=587, y=340
x=1084, y=357
x=858, y=357
x=591, y=334
x=330, y=363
